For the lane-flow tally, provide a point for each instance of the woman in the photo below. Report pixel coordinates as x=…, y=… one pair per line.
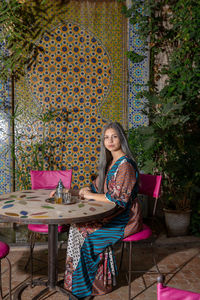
x=90, y=265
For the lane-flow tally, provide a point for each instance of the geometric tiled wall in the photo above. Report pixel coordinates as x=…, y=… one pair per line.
x=138, y=78
x=80, y=78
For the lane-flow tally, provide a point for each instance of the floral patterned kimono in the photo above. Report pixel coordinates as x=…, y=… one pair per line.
x=90, y=263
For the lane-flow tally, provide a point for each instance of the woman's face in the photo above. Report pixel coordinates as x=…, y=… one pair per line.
x=111, y=140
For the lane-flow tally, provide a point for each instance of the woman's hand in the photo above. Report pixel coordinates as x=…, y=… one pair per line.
x=51, y=195
x=87, y=194
x=83, y=190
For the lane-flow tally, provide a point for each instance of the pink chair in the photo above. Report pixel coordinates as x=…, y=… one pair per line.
x=46, y=180
x=4, y=251
x=150, y=186
x=50, y=179
x=169, y=293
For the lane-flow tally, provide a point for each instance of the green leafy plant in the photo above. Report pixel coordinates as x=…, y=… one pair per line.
x=33, y=150
x=170, y=143
x=22, y=23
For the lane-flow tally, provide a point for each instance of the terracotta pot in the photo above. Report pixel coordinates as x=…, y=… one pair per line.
x=177, y=222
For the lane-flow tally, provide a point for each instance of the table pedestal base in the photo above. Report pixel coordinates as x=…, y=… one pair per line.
x=39, y=282
x=51, y=284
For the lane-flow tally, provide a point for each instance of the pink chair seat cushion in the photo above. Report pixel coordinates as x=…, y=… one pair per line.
x=4, y=249
x=43, y=228
x=169, y=293
x=145, y=233
x=50, y=179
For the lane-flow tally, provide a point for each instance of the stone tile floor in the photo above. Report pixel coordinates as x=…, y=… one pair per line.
x=178, y=258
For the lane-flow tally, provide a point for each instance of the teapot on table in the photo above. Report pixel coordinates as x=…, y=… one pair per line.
x=59, y=192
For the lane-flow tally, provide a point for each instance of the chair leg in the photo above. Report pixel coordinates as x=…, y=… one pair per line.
x=61, y=243
x=30, y=259
x=32, y=245
x=154, y=260
x=129, y=270
x=30, y=252
x=129, y=266
x=10, y=274
x=1, y=292
x=121, y=257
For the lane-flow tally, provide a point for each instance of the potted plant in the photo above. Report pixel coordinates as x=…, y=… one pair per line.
x=158, y=152
x=177, y=205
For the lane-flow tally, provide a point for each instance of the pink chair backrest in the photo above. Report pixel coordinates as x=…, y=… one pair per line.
x=50, y=179
x=150, y=185
x=169, y=293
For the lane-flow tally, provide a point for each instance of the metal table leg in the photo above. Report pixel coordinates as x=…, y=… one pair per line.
x=52, y=255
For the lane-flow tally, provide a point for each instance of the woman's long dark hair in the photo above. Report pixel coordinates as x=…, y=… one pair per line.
x=106, y=156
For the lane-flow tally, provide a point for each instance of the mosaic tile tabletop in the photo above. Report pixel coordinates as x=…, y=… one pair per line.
x=33, y=206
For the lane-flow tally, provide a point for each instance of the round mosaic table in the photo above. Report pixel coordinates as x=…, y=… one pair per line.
x=35, y=206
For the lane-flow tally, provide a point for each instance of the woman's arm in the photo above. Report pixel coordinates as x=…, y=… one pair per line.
x=119, y=188
x=98, y=197
x=121, y=185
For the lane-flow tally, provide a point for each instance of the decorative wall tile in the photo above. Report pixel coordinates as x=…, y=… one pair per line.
x=81, y=78
x=79, y=74
x=138, y=79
